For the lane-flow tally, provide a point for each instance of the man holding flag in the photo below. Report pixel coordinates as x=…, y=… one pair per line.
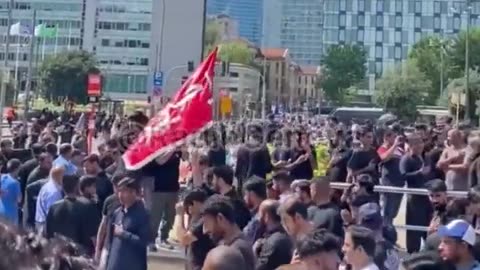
x=154, y=152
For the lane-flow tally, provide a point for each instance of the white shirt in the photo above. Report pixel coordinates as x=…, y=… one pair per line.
x=371, y=266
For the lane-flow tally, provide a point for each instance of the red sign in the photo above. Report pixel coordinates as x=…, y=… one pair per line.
x=186, y=115
x=94, y=87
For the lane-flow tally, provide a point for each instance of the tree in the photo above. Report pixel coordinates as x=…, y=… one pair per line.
x=402, y=88
x=236, y=52
x=213, y=35
x=427, y=53
x=456, y=88
x=457, y=52
x=65, y=75
x=343, y=66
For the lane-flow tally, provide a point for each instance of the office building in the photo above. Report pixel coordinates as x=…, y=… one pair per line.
x=247, y=13
x=296, y=25
x=131, y=39
x=386, y=28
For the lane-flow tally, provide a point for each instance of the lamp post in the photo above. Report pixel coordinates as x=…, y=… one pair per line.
x=6, y=73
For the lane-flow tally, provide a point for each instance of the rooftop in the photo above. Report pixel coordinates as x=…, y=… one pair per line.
x=310, y=70
x=275, y=53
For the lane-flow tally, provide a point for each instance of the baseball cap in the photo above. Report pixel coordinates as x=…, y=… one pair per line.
x=459, y=229
x=370, y=216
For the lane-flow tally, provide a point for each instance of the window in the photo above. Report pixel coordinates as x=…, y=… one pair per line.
x=437, y=23
x=360, y=34
x=398, y=52
x=427, y=22
x=342, y=20
x=405, y=37
x=361, y=5
x=341, y=35
x=105, y=42
x=343, y=5
x=378, y=68
x=398, y=37
x=456, y=23
x=361, y=20
x=398, y=5
x=379, y=36
x=398, y=21
x=380, y=6
x=417, y=36
x=379, y=21
x=378, y=52
x=436, y=7
x=417, y=22
x=418, y=6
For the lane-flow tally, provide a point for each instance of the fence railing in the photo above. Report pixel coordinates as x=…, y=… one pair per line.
x=402, y=190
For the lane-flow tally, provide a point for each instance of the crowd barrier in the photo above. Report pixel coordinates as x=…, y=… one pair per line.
x=402, y=190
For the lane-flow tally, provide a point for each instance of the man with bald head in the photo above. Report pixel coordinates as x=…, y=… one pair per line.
x=50, y=193
x=275, y=248
x=224, y=258
x=453, y=161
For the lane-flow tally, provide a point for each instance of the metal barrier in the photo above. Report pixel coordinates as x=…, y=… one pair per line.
x=402, y=190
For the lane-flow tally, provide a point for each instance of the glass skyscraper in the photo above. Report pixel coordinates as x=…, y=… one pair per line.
x=247, y=13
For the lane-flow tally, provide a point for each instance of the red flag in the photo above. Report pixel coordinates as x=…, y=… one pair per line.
x=186, y=115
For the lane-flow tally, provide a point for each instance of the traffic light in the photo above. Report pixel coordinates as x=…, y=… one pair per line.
x=184, y=79
x=190, y=66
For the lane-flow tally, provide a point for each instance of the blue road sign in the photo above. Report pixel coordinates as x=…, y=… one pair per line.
x=158, y=78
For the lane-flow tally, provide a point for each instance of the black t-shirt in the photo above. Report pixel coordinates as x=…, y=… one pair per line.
x=327, y=217
x=338, y=170
x=217, y=156
x=198, y=250
x=303, y=170
x=252, y=160
x=362, y=158
x=75, y=218
x=104, y=188
x=281, y=154
x=165, y=175
x=409, y=167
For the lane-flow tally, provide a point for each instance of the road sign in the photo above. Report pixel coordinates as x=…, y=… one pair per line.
x=94, y=87
x=158, y=78
x=157, y=91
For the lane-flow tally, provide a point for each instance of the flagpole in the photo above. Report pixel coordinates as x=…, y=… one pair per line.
x=28, y=85
x=69, y=35
x=16, y=62
x=43, y=47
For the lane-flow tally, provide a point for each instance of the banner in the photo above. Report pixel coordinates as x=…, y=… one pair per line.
x=185, y=116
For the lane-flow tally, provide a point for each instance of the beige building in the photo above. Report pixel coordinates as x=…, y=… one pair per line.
x=280, y=74
x=306, y=84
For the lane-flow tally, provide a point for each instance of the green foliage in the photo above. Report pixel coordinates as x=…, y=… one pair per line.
x=212, y=36
x=236, y=52
x=427, y=53
x=343, y=66
x=402, y=88
x=457, y=86
x=457, y=52
x=65, y=75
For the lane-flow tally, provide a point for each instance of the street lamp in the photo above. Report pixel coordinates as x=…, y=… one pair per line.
x=467, y=10
x=6, y=74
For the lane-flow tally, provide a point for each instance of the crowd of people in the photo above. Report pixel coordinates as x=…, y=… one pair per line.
x=252, y=199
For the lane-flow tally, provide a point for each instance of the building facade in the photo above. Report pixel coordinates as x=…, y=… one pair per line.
x=307, y=90
x=247, y=13
x=386, y=28
x=296, y=25
x=131, y=39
